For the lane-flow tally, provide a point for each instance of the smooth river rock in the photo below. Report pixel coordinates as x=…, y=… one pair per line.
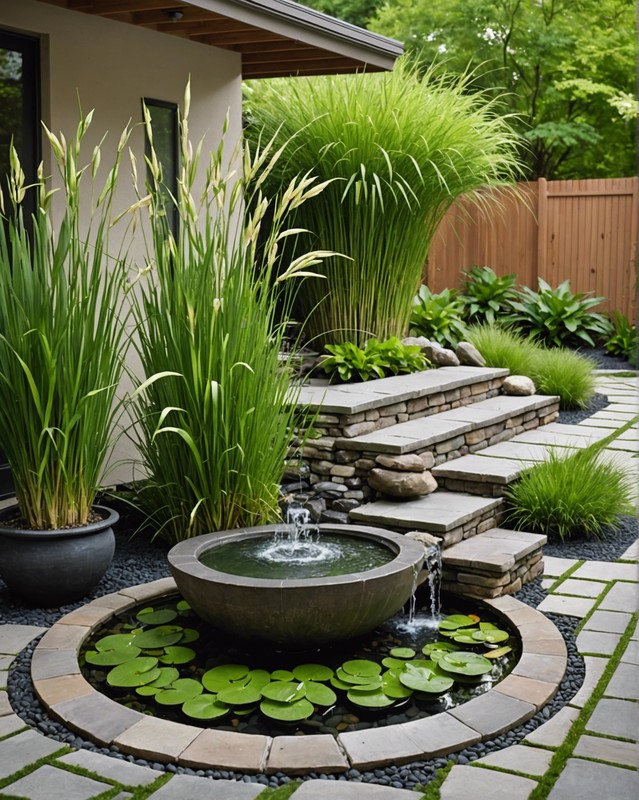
x=441, y=355
x=401, y=484
x=407, y=463
x=469, y=355
x=519, y=385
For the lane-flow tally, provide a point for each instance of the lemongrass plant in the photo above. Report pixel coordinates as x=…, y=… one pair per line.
x=215, y=408
x=62, y=343
x=401, y=147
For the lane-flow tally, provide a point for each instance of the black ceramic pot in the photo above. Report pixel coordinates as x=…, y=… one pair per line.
x=52, y=568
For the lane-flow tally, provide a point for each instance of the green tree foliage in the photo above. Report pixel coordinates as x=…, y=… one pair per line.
x=564, y=67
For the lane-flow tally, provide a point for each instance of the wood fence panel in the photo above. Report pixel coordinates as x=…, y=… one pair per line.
x=584, y=231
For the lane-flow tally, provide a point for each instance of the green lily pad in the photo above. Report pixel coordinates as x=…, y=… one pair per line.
x=179, y=692
x=113, y=657
x=287, y=712
x=149, y=616
x=339, y=684
x=454, y=621
x=498, y=652
x=435, y=650
x=183, y=607
x=205, y=706
x=163, y=636
x=391, y=663
x=402, y=652
x=464, y=663
x=189, y=635
x=177, y=655
x=219, y=678
x=467, y=636
x=243, y=711
x=357, y=680
x=361, y=667
x=136, y=672
x=374, y=699
x=426, y=678
x=240, y=695
x=167, y=676
x=393, y=687
x=282, y=675
x=313, y=672
x=115, y=641
x=284, y=691
x=319, y=694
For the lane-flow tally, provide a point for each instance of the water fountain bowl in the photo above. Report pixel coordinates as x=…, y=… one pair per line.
x=293, y=612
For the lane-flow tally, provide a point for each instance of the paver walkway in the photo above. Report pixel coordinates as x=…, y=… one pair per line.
x=591, y=745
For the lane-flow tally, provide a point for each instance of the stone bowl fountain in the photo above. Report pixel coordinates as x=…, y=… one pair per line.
x=287, y=609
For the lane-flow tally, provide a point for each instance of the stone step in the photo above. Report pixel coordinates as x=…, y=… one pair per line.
x=498, y=562
x=449, y=516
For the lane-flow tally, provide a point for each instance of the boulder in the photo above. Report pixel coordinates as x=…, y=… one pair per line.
x=469, y=355
x=428, y=460
x=416, y=341
x=425, y=538
x=441, y=356
x=519, y=385
x=407, y=463
x=401, y=484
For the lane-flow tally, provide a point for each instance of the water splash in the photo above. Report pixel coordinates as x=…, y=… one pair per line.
x=297, y=542
x=425, y=619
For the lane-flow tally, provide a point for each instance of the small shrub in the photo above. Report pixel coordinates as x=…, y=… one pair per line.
x=623, y=341
x=558, y=317
x=504, y=348
x=571, y=495
x=564, y=373
x=487, y=295
x=438, y=317
x=376, y=359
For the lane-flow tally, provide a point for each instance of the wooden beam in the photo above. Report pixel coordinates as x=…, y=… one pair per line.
x=108, y=8
x=249, y=36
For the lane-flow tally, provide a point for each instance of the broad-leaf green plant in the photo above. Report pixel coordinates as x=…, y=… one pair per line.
x=558, y=316
x=623, y=341
x=62, y=341
x=400, y=146
x=487, y=296
x=375, y=360
x=438, y=317
x=215, y=406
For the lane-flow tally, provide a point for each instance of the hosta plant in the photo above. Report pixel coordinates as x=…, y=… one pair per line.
x=558, y=316
x=487, y=295
x=438, y=317
x=374, y=360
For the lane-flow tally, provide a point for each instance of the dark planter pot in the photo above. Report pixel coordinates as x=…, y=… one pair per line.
x=52, y=568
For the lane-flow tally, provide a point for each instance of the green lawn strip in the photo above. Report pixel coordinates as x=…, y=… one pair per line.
x=579, y=727
x=15, y=776
x=432, y=790
x=616, y=432
x=281, y=792
x=142, y=792
x=564, y=576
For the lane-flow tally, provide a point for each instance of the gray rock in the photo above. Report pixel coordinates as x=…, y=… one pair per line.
x=416, y=341
x=345, y=504
x=407, y=463
x=315, y=507
x=338, y=517
x=519, y=385
x=401, y=484
x=329, y=486
x=441, y=356
x=425, y=538
x=469, y=355
x=428, y=460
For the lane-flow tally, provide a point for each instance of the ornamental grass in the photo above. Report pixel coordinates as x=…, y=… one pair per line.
x=398, y=147
x=215, y=408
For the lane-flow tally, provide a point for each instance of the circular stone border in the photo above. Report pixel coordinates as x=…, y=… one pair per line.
x=69, y=698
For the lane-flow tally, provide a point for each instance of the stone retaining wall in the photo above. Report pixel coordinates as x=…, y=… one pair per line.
x=488, y=583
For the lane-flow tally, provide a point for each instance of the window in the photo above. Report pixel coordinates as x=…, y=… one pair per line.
x=164, y=126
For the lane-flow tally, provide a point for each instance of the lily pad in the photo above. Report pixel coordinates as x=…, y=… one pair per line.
x=183, y=607
x=361, y=667
x=240, y=695
x=391, y=663
x=426, y=678
x=358, y=680
x=162, y=636
x=205, y=706
x=454, y=621
x=149, y=616
x=112, y=657
x=167, y=676
x=498, y=652
x=136, y=672
x=393, y=687
x=189, y=635
x=282, y=675
x=339, y=684
x=319, y=694
x=219, y=678
x=313, y=672
x=287, y=712
x=177, y=655
x=284, y=691
x=115, y=641
x=464, y=663
x=373, y=699
x=402, y=652
x=435, y=650
x=179, y=692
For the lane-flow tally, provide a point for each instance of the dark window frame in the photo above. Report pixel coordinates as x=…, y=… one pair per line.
x=151, y=103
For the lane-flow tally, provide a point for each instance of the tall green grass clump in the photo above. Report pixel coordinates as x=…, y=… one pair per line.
x=62, y=341
x=399, y=148
x=214, y=410
x=505, y=348
x=573, y=495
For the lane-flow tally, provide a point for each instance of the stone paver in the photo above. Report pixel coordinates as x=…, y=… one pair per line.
x=114, y=769
x=612, y=750
x=491, y=715
x=610, y=621
x=567, y=605
x=11, y=723
x=624, y=684
x=595, y=668
x=554, y=732
x=342, y=790
x=14, y=638
x=606, y=571
x=48, y=782
x=579, y=588
x=555, y=567
x=469, y=783
x=618, y=718
x=622, y=597
x=631, y=653
x=189, y=787
x=302, y=754
x=23, y=749
x=587, y=780
x=227, y=750
x=597, y=642
x=519, y=758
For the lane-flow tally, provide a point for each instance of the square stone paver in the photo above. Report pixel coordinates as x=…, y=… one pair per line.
x=553, y=733
x=115, y=769
x=48, y=782
x=302, y=754
x=344, y=790
x=580, y=588
x=597, y=642
x=567, y=605
x=613, y=750
x=469, y=783
x=595, y=668
x=97, y=716
x=227, y=750
x=493, y=713
x=622, y=597
x=541, y=667
x=625, y=684
x=157, y=739
x=631, y=653
x=189, y=787
x=618, y=718
x=14, y=638
x=555, y=567
x=11, y=723
x=23, y=749
x=608, y=621
x=607, y=571
x=587, y=780
x=519, y=758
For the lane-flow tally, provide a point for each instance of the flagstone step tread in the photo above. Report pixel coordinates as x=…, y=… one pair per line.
x=417, y=434
x=481, y=469
x=436, y=513
x=354, y=398
x=496, y=550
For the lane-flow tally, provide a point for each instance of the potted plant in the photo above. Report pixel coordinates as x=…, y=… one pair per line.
x=62, y=344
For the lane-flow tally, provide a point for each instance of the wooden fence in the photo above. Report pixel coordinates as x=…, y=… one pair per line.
x=585, y=231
